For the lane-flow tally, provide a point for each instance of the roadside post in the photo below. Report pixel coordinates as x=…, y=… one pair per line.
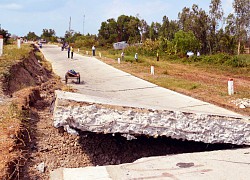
x=100, y=54
x=1, y=45
x=157, y=56
x=119, y=60
x=152, y=70
x=18, y=43
x=230, y=84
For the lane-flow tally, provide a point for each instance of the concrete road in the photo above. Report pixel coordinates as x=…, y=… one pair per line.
x=217, y=165
x=101, y=80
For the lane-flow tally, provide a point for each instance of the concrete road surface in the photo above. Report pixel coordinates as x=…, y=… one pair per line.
x=101, y=80
x=216, y=165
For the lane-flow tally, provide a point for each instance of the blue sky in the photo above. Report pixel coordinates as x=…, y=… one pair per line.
x=21, y=16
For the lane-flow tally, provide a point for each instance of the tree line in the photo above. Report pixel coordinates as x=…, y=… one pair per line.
x=195, y=30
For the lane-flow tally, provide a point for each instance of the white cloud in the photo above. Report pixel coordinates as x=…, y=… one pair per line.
x=11, y=6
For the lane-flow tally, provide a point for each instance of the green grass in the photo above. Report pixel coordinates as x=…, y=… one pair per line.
x=11, y=55
x=174, y=83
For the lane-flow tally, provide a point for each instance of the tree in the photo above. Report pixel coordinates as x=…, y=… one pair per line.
x=168, y=29
x=108, y=32
x=185, y=19
x=49, y=35
x=185, y=41
x=6, y=35
x=71, y=36
x=242, y=12
x=85, y=41
x=126, y=28
x=196, y=20
x=122, y=28
x=154, y=30
x=144, y=30
x=216, y=14
x=31, y=36
x=133, y=30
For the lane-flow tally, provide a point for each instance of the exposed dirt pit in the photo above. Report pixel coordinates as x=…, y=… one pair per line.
x=56, y=148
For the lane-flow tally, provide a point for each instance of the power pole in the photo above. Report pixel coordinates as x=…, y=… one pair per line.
x=83, y=24
x=69, y=23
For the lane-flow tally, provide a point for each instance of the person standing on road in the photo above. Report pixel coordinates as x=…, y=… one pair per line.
x=93, y=50
x=122, y=55
x=136, y=57
x=68, y=51
x=72, y=51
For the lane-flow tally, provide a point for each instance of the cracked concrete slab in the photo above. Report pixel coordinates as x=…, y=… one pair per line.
x=88, y=113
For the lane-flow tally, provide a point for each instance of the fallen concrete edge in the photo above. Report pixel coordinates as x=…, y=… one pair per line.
x=106, y=118
x=100, y=100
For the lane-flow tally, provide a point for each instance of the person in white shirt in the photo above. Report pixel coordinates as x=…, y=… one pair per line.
x=136, y=57
x=93, y=50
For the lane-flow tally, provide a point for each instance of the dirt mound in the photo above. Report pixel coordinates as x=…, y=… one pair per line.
x=24, y=74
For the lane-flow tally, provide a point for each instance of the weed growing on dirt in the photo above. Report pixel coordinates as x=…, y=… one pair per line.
x=10, y=121
x=11, y=55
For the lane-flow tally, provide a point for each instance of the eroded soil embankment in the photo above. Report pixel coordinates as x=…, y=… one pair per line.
x=25, y=73
x=20, y=90
x=39, y=142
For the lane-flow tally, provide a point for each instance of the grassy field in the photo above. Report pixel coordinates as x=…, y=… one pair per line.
x=205, y=79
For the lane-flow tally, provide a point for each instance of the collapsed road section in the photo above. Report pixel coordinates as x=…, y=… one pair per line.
x=88, y=113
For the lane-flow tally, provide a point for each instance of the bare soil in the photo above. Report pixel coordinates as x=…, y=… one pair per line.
x=38, y=141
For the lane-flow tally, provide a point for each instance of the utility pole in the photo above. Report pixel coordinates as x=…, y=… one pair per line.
x=69, y=23
x=83, y=24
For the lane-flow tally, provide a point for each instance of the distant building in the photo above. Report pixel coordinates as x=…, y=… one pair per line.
x=120, y=45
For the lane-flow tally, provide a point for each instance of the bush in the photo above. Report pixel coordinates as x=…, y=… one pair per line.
x=222, y=59
x=237, y=61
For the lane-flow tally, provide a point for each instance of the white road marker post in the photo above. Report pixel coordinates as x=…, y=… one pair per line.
x=152, y=70
x=18, y=43
x=230, y=84
x=1, y=45
x=119, y=60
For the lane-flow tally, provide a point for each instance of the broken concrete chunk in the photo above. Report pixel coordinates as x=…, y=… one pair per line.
x=242, y=106
x=132, y=121
x=41, y=167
